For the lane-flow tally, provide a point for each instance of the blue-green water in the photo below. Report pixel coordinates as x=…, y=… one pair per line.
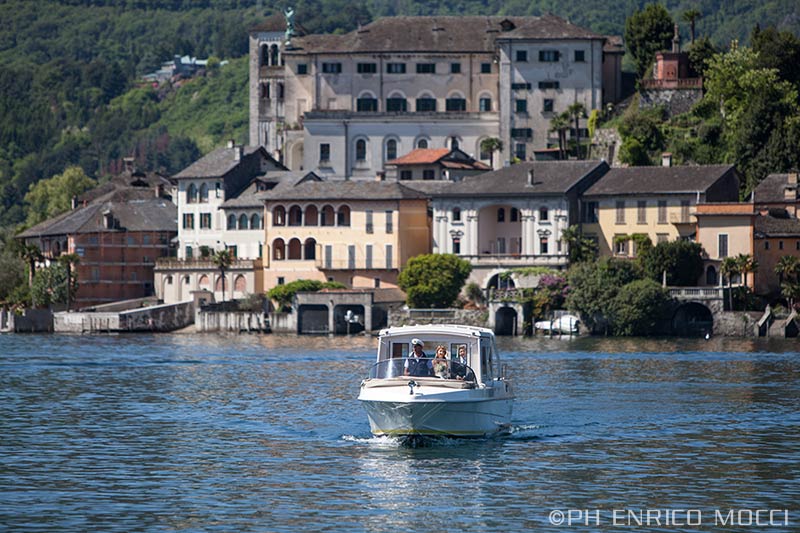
x=207, y=433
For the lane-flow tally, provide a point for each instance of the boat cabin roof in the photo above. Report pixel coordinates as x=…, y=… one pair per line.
x=437, y=329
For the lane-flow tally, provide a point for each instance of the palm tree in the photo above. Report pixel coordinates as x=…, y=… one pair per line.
x=691, y=16
x=787, y=269
x=31, y=254
x=223, y=261
x=560, y=124
x=746, y=264
x=728, y=269
x=576, y=112
x=491, y=145
x=69, y=261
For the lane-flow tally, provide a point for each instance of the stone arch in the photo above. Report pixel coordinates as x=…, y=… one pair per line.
x=692, y=319
x=278, y=249
x=311, y=215
x=391, y=147
x=422, y=142
x=500, y=281
x=367, y=94
x=295, y=249
x=310, y=249
x=295, y=159
x=343, y=216
x=243, y=222
x=295, y=216
x=397, y=94
x=278, y=216
x=240, y=284
x=203, y=282
x=255, y=221
x=506, y=321
x=327, y=216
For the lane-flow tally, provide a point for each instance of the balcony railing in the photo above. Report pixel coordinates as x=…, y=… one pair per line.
x=203, y=264
x=687, y=83
x=517, y=259
x=697, y=293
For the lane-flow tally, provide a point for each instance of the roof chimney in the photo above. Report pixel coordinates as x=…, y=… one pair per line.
x=231, y=143
x=128, y=164
x=530, y=177
x=666, y=159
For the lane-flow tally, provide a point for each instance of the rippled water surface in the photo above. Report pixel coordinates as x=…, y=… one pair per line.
x=207, y=433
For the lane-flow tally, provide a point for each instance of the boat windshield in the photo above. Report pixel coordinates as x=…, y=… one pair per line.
x=421, y=367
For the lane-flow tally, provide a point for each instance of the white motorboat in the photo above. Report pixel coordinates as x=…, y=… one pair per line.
x=565, y=325
x=410, y=395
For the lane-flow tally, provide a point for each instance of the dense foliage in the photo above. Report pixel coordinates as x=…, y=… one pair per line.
x=637, y=307
x=646, y=32
x=284, y=294
x=681, y=260
x=433, y=280
x=594, y=286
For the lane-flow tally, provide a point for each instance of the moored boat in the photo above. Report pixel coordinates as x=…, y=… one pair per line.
x=409, y=392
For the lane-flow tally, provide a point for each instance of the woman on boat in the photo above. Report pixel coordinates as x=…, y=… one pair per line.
x=440, y=362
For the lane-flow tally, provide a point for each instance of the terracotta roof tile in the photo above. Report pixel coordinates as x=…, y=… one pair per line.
x=421, y=156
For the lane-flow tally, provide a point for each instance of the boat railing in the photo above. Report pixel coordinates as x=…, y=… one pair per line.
x=421, y=367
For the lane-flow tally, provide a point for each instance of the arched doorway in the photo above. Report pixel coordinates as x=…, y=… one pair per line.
x=505, y=321
x=501, y=282
x=348, y=319
x=312, y=319
x=692, y=319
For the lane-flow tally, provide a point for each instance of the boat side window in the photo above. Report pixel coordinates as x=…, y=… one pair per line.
x=486, y=362
x=399, y=350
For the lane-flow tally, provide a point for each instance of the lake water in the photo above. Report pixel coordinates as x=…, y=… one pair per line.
x=263, y=433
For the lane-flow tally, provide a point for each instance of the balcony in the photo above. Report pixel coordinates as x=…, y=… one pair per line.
x=170, y=263
x=686, y=83
x=516, y=260
x=359, y=264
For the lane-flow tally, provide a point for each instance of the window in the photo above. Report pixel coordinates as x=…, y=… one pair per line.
x=281, y=280
x=501, y=215
x=766, y=245
x=519, y=151
x=366, y=68
x=456, y=214
x=485, y=104
x=722, y=245
x=580, y=56
x=455, y=68
x=376, y=282
x=278, y=217
x=522, y=133
x=641, y=212
x=522, y=56
x=396, y=104
x=368, y=256
x=520, y=86
x=501, y=245
x=361, y=150
x=331, y=68
x=367, y=104
x=188, y=221
x=426, y=104
x=780, y=245
x=620, y=245
x=188, y=251
x=548, y=56
x=205, y=220
x=243, y=222
x=455, y=104
x=351, y=257
x=589, y=212
x=684, y=211
x=391, y=149
x=521, y=106
x=422, y=143
x=486, y=68
x=514, y=214
x=389, y=258
x=547, y=107
x=217, y=190
x=543, y=246
x=343, y=216
x=405, y=175
x=543, y=214
x=324, y=152
x=233, y=250
x=620, y=212
x=255, y=222
x=549, y=85
x=204, y=193
x=661, y=237
x=428, y=174
x=426, y=68
x=302, y=69
x=456, y=245
x=395, y=68
x=370, y=227
x=389, y=222
x=191, y=194
x=662, y=211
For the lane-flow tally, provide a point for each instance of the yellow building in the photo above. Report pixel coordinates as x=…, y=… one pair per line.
x=357, y=233
x=658, y=202
x=724, y=230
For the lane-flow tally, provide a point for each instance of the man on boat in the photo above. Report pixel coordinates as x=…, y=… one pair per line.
x=417, y=363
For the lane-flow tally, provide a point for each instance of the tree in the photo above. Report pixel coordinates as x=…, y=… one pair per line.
x=50, y=286
x=576, y=112
x=681, y=260
x=491, y=145
x=433, y=280
x=222, y=259
x=788, y=271
x=727, y=269
x=53, y=196
x=700, y=53
x=284, y=294
x=593, y=287
x=690, y=16
x=646, y=32
x=580, y=248
x=12, y=274
x=68, y=261
x=746, y=264
x=637, y=307
x=31, y=254
x=560, y=124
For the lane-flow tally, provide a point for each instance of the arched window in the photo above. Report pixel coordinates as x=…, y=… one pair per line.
x=343, y=216
x=328, y=217
x=255, y=222
x=231, y=221
x=295, y=249
x=514, y=214
x=278, y=249
x=454, y=143
x=240, y=284
x=543, y=214
x=312, y=216
x=265, y=91
x=711, y=275
x=203, y=193
x=203, y=282
x=501, y=214
x=456, y=214
x=242, y=221
x=295, y=216
x=422, y=143
x=220, y=284
x=310, y=249
x=264, y=56
x=191, y=194
x=361, y=150
x=391, y=149
x=279, y=216
x=273, y=55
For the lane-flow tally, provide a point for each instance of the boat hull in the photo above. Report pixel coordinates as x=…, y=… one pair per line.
x=464, y=417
